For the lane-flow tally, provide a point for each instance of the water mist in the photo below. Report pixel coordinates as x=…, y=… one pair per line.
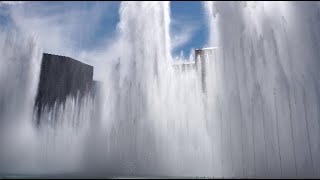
x=258, y=116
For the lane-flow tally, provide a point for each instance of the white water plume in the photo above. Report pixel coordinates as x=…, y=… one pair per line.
x=257, y=115
x=267, y=80
x=19, y=75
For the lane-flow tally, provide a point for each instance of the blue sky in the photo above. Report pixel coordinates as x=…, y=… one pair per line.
x=67, y=26
x=190, y=12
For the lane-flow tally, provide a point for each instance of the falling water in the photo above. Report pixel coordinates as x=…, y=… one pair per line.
x=258, y=116
x=267, y=84
x=156, y=123
x=19, y=74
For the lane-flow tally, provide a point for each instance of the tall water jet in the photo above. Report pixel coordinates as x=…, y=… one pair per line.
x=268, y=78
x=143, y=31
x=152, y=119
x=19, y=75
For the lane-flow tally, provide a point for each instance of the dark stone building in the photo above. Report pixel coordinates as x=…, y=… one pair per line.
x=60, y=77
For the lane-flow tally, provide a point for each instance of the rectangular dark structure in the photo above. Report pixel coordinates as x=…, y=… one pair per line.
x=202, y=59
x=60, y=77
x=201, y=64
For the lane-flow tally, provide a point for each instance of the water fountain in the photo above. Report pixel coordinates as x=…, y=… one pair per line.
x=269, y=82
x=253, y=112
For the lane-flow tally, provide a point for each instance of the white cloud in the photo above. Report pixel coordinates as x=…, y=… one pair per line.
x=59, y=29
x=180, y=38
x=182, y=32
